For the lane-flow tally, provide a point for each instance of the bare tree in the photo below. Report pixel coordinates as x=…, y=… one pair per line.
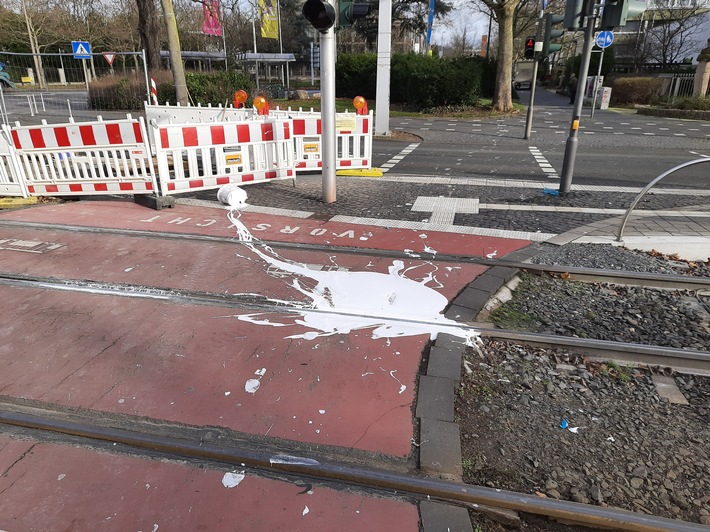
x=672, y=28
x=149, y=31
x=462, y=42
x=504, y=14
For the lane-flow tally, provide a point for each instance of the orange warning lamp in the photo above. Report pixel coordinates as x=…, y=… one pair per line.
x=262, y=106
x=360, y=105
x=239, y=98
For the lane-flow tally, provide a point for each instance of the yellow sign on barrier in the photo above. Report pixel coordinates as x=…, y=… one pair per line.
x=233, y=159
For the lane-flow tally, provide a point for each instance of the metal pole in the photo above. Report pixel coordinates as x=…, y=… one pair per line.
x=145, y=72
x=536, y=59
x=384, y=47
x=256, y=61
x=313, y=81
x=328, y=138
x=572, y=140
x=596, y=83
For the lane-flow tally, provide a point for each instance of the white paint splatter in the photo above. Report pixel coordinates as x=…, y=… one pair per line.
x=402, y=387
x=127, y=270
x=427, y=249
x=321, y=412
x=61, y=476
x=493, y=254
x=227, y=393
x=391, y=304
x=261, y=372
x=232, y=480
x=252, y=385
x=305, y=510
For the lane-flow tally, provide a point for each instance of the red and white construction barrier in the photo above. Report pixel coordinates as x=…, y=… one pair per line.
x=203, y=156
x=353, y=148
x=12, y=178
x=85, y=158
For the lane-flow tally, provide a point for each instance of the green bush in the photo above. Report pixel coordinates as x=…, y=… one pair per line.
x=128, y=93
x=116, y=93
x=629, y=91
x=696, y=103
x=356, y=75
x=418, y=81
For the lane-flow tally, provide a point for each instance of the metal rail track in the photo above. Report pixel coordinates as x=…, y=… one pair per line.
x=143, y=438
x=686, y=360
x=645, y=279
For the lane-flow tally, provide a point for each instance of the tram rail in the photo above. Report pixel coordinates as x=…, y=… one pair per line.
x=148, y=440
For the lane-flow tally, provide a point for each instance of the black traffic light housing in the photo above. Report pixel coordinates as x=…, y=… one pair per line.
x=529, y=48
x=349, y=11
x=617, y=11
x=549, y=47
x=320, y=14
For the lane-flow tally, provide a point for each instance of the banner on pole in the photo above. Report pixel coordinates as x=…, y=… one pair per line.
x=269, y=19
x=210, y=23
x=430, y=22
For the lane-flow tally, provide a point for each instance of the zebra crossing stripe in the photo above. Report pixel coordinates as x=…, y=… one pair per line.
x=543, y=163
x=401, y=155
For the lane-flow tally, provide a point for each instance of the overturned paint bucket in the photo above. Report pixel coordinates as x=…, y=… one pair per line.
x=232, y=195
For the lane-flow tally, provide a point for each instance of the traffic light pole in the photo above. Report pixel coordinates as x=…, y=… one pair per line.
x=327, y=88
x=536, y=59
x=572, y=140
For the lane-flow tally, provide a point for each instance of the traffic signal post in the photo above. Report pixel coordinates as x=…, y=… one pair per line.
x=322, y=17
x=572, y=139
x=537, y=47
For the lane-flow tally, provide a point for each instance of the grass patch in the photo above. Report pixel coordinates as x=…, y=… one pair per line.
x=510, y=318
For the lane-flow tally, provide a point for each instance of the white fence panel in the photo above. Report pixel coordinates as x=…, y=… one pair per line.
x=195, y=157
x=12, y=182
x=102, y=157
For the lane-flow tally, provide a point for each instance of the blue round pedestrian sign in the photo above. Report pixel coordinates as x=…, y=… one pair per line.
x=604, y=39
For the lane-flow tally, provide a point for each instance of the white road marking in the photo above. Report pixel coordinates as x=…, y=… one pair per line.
x=401, y=155
x=443, y=210
x=544, y=164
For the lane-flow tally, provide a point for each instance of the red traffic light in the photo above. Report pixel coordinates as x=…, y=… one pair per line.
x=529, y=48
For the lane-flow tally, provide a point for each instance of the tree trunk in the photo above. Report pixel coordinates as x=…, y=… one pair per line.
x=148, y=29
x=503, y=98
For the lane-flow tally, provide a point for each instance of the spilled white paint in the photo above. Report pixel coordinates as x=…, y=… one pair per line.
x=305, y=510
x=252, y=385
x=342, y=301
x=232, y=480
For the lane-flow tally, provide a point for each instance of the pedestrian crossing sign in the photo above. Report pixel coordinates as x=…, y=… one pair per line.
x=81, y=49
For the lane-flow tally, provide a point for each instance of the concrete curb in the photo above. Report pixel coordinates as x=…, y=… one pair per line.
x=439, y=433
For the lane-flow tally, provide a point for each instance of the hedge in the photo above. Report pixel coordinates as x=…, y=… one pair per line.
x=418, y=81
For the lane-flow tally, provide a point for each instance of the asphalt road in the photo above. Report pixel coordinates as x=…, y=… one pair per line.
x=615, y=147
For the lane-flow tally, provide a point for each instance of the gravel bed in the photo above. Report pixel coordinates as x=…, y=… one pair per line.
x=617, y=258
x=606, y=312
x=544, y=422
x=630, y=448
